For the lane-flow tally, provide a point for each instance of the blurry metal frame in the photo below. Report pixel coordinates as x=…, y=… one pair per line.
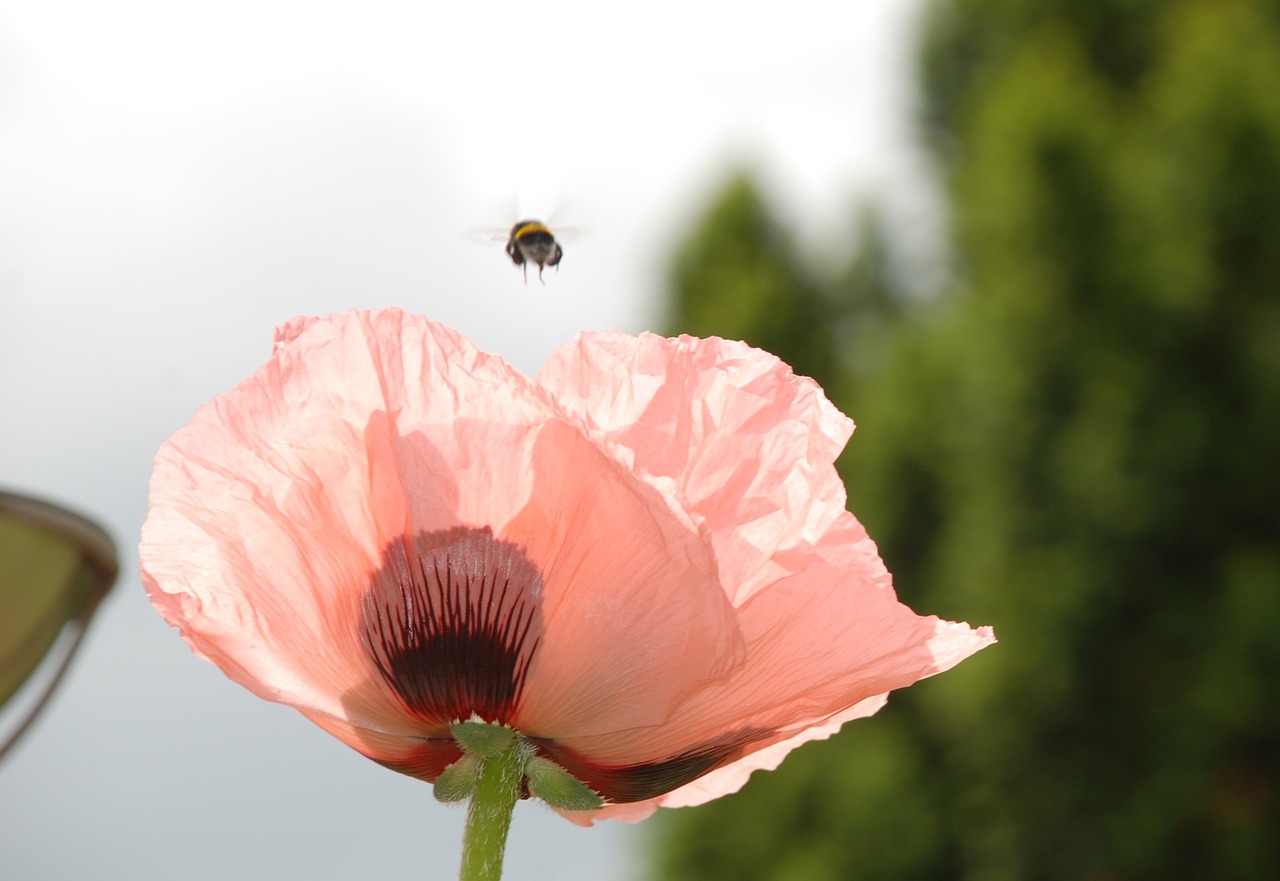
x=97, y=562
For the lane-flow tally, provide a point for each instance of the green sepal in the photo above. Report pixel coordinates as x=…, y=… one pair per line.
x=558, y=788
x=482, y=739
x=458, y=781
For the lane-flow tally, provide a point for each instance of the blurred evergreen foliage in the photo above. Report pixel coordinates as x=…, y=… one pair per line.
x=1078, y=443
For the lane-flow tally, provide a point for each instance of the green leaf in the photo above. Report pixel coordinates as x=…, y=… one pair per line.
x=458, y=780
x=558, y=788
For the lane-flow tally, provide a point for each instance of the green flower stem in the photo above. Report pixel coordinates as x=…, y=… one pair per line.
x=497, y=789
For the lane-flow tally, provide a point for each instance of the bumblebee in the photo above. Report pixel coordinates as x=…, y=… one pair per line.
x=532, y=242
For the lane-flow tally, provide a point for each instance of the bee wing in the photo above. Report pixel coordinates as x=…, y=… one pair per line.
x=568, y=218
x=487, y=234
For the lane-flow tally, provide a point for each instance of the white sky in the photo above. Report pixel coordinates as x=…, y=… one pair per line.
x=177, y=178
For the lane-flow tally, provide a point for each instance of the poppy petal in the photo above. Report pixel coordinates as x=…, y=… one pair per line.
x=747, y=445
x=728, y=778
x=635, y=619
x=421, y=757
x=274, y=508
x=817, y=643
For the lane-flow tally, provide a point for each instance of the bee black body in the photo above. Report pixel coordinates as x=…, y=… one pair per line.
x=532, y=242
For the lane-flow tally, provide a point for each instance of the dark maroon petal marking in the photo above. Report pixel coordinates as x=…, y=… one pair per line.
x=630, y=783
x=452, y=621
x=426, y=761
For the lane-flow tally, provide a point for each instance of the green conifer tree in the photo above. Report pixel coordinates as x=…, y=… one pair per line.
x=1080, y=445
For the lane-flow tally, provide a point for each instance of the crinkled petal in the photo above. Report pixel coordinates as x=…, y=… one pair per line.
x=817, y=643
x=728, y=778
x=635, y=619
x=270, y=512
x=421, y=757
x=948, y=644
x=823, y=647
x=747, y=445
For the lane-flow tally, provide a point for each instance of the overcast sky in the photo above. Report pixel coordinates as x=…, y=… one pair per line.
x=176, y=179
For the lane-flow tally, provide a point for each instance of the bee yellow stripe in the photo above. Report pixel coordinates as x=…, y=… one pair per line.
x=531, y=228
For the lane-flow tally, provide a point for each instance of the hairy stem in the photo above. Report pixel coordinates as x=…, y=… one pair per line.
x=497, y=789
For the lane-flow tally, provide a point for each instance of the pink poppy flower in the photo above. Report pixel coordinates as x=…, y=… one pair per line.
x=640, y=559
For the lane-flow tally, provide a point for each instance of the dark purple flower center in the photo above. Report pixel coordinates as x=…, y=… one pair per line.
x=453, y=621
